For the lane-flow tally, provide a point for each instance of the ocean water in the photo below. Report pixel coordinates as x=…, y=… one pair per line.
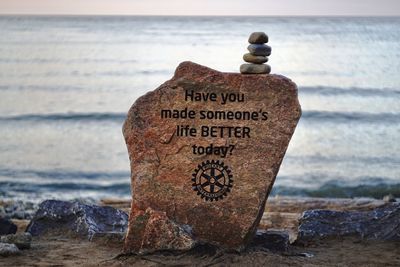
x=66, y=84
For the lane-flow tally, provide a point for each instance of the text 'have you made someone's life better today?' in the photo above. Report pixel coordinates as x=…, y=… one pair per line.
x=214, y=131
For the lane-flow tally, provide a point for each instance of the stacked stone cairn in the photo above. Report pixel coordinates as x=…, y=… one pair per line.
x=258, y=55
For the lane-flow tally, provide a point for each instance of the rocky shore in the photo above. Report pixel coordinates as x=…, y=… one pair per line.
x=292, y=232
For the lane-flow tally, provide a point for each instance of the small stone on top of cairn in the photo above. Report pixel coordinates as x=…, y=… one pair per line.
x=258, y=55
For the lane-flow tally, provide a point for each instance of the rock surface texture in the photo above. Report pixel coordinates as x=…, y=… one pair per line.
x=157, y=232
x=382, y=223
x=178, y=185
x=76, y=218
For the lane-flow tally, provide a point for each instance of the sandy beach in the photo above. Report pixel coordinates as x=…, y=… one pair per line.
x=63, y=249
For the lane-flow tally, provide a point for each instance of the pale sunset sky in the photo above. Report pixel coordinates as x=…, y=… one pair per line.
x=203, y=7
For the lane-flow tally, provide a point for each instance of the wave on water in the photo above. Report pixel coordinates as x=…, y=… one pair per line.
x=37, y=185
x=343, y=117
x=69, y=184
x=121, y=189
x=324, y=159
x=108, y=116
x=63, y=174
x=326, y=91
x=64, y=61
x=334, y=190
x=311, y=116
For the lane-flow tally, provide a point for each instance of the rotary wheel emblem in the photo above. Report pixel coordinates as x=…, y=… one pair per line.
x=212, y=180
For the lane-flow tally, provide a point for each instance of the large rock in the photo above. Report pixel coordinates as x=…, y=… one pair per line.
x=382, y=223
x=214, y=185
x=7, y=227
x=73, y=217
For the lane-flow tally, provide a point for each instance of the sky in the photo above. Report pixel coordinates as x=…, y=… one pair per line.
x=203, y=7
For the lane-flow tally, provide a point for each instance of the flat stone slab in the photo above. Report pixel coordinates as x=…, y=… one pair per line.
x=255, y=69
x=254, y=59
x=382, y=223
x=83, y=220
x=259, y=49
x=205, y=148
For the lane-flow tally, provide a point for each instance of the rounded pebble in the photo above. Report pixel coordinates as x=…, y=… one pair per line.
x=254, y=59
x=21, y=240
x=259, y=49
x=258, y=38
x=255, y=69
x=8, y=249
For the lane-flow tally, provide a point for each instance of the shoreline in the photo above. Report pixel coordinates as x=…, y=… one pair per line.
x=281, y=212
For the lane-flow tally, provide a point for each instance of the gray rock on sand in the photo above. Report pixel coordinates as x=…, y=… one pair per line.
x=255, y=69
x=380, y=224
x=7, y=227
x=22, y=240
x=276, y=241
x=259, y=49
x=76, y=218
x=254, y=59
x=8, y=249
x=258, y=38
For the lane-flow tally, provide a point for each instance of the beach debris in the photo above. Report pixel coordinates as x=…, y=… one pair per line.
x=21, y=240
x=274, y=240
x=153, y=231
x=7, y=227
x=389, y=198
x=79, y=219
x=21, y=210
x=8, y=250
x=305, y=254
x=258, y=55
x=205, y=148
x=382, y=223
